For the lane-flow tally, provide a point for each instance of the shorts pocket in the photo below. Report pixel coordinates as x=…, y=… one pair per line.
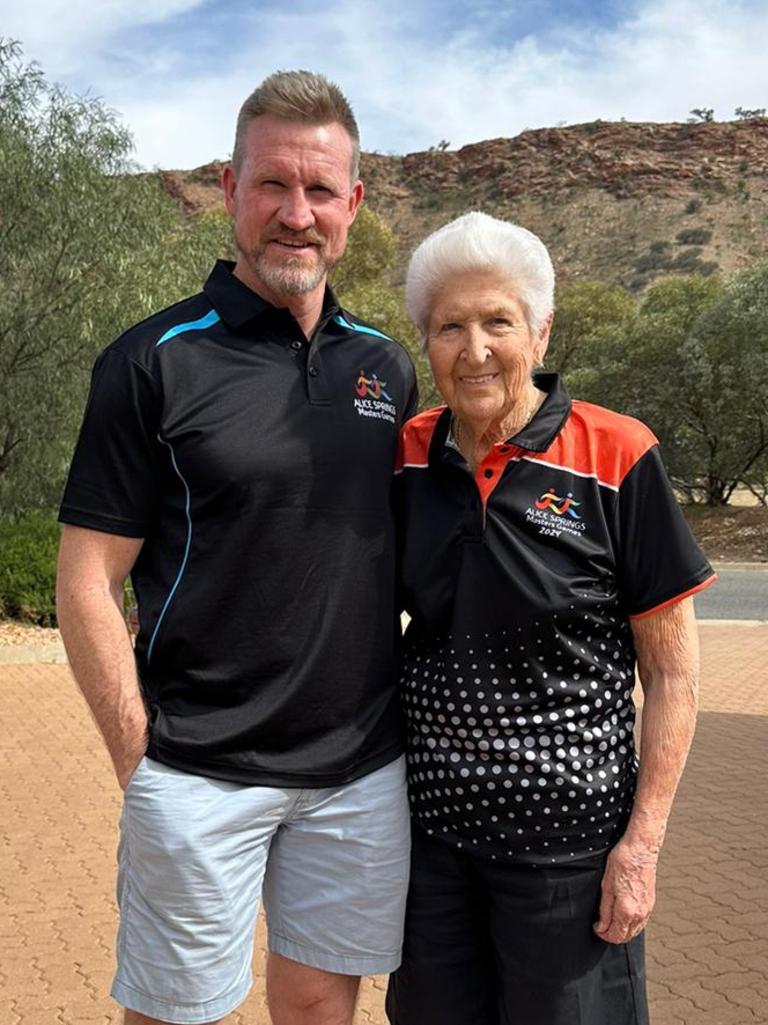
x=135, y=774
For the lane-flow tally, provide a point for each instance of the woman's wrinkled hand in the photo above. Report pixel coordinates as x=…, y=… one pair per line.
x=628, y=892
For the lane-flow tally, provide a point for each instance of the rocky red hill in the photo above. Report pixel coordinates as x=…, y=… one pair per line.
x=618, y=201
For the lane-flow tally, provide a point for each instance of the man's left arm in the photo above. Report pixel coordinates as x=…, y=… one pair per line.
x=667, y=648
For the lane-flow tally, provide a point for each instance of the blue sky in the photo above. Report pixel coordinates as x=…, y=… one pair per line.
x=416, y=71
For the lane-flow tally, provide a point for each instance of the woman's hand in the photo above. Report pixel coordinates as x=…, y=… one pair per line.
x=667, y=656
x=628, y=892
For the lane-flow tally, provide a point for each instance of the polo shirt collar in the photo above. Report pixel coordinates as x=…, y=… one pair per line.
x=237, y=304
x=536, y=436
x=550, y=417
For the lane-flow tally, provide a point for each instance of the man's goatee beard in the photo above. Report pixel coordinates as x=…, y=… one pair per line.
x=290, y=280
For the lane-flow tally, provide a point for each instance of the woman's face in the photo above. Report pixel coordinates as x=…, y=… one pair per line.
x=480, y=347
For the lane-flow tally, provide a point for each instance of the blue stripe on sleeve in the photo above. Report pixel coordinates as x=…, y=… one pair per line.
x=359, y=327
x=191, y=325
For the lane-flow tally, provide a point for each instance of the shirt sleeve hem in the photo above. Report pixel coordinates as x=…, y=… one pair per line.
x=675, y=598
x=103, y=523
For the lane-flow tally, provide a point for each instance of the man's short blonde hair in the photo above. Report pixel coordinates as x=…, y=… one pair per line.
x=300, y=96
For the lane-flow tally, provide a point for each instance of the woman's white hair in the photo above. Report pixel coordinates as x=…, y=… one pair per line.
x=473, y=242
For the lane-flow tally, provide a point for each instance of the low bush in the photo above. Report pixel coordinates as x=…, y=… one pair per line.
x=28, y=547
x=654, y=259
x=693, y=236
x=687, y=260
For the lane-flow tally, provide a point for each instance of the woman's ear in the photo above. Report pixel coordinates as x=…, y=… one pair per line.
x=540, y=347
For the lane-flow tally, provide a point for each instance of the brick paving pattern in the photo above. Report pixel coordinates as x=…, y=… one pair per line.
x=708, y=941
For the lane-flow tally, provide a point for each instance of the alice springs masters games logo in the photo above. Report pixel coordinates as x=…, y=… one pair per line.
x=554, y=515
x=372, y=399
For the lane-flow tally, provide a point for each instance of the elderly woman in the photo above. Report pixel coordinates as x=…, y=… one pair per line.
x=543, y=556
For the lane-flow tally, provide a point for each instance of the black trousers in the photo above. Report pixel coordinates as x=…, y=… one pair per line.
x=489, y=943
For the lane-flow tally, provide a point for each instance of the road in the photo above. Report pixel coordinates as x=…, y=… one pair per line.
x=737, y=594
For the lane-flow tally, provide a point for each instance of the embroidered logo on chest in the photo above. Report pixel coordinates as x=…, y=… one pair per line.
x=555, y=515
x=372, y=399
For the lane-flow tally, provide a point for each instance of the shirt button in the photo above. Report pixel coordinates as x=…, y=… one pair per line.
x=488, y=473
x=296, y=345
x=313, y=371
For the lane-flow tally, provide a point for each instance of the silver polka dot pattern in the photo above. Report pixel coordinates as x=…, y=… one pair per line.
x=521, y=742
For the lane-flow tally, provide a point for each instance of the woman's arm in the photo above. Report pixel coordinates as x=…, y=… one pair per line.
x=667, y=649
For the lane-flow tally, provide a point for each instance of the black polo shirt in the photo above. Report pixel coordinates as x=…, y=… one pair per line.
x=521, y=583
x=258, y=468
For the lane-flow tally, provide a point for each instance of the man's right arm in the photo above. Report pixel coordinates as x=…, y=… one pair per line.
x=93, y=567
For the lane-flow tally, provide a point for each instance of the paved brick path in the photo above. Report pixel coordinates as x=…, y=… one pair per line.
x=708, y=942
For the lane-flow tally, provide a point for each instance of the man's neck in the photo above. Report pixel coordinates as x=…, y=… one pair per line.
x=305, y=308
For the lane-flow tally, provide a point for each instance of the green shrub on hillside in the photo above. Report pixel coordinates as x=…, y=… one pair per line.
x=693, y=236
x=28, y=547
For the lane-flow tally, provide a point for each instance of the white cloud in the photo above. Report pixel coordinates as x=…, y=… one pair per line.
x=63, y=34
x=413, y=81
x=673, y=55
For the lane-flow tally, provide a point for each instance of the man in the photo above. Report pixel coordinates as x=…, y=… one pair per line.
x=230, y=462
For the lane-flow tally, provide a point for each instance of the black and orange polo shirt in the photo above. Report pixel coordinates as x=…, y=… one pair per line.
x=257, y=467
x=521, y=582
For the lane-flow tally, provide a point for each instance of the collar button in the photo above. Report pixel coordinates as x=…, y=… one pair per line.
x=296, y=345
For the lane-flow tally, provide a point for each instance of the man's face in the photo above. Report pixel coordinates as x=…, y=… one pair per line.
x=292, y=203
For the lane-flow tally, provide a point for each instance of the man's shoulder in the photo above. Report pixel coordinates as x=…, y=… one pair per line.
x=142, y=341
x=350, y=322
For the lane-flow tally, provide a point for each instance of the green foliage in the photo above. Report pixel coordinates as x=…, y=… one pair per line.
x=693, y=206
x=694, y=366
x=655, y=259
x=370, y=253
x=705, y=114
x=28, y=568
x=585, y=311
x=688, y=261
x=693, y=236
x=88, y=247
x=745, y=113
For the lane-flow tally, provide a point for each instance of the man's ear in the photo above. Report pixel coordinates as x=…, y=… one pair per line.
x=228, y=185
x=355, y=199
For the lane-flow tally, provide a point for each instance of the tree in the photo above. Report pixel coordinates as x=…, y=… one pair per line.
x=694, y=366
x=370, y=253
x=86, y=248
x=706, y=114
x=727, y=357
x=746, y=114
x=584, y=311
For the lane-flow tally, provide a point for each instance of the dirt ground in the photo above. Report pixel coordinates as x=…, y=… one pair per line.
x=730, y=533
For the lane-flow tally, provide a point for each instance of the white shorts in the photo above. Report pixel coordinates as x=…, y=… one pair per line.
x=194, y=854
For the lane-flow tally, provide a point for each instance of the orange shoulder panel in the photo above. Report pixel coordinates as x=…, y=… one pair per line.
x=415, y=438
x=600, y=443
